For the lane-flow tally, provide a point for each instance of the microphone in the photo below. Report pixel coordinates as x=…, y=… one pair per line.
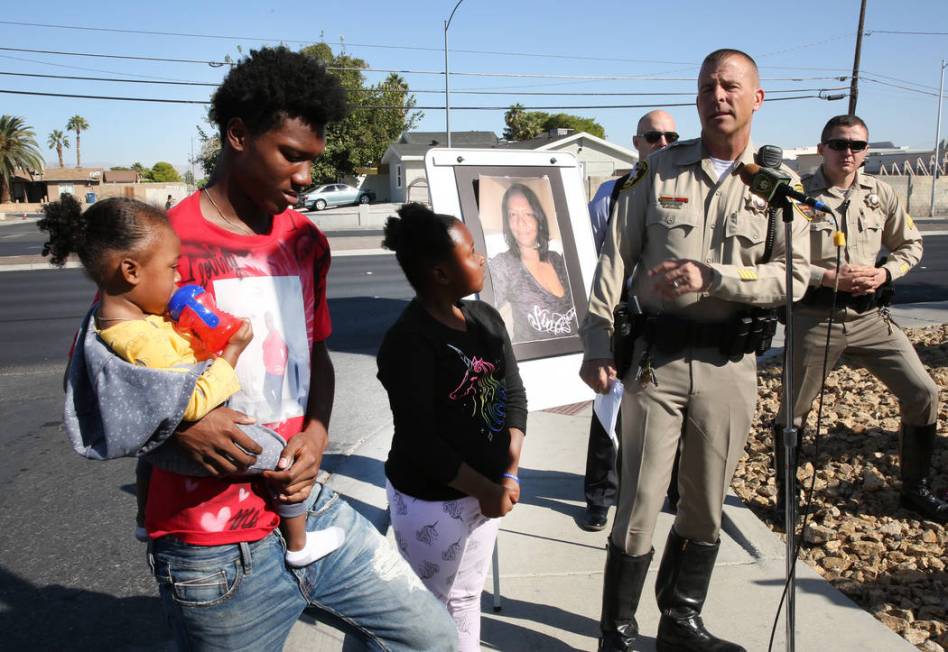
x=774, y=186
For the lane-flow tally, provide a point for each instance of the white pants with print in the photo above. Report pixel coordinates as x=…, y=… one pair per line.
x=449, y=545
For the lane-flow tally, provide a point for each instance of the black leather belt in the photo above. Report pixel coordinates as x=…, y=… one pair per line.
x=822, y=297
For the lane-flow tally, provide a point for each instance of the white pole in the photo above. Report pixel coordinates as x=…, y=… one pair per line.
x=941, y=88
x=447, y=98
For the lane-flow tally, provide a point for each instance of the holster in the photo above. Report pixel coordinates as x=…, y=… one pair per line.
x=627, y=327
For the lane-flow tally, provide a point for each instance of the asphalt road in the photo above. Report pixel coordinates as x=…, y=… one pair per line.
x=22, y=237
x=71, y=575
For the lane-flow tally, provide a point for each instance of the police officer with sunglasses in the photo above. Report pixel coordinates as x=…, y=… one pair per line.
x=872, y=218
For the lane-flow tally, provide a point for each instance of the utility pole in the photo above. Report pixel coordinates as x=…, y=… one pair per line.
x=935, y=168
x=854, y=84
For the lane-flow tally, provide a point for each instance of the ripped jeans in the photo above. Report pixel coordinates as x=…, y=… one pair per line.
x=244, y=597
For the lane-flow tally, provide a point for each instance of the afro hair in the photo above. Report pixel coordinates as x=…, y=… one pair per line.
x=274, y=84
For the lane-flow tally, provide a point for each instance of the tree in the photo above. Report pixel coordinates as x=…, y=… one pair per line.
x=188, y=178
x=143, y=173
x=378, y=114
x=18, y=151
x=524, y=125
x=57, y=140
x=78, y=124
x=163, y=171
x=574, y=122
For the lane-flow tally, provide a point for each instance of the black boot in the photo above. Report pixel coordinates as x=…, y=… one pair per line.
x=681, y=587
x=780, y=454
x=918, y=443
x=621, y=589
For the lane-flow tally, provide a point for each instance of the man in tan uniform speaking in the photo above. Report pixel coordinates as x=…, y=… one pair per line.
x=871, y=217
x=695, y=237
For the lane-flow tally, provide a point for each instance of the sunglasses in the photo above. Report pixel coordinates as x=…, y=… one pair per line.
x=652, y=137
x=841, y=144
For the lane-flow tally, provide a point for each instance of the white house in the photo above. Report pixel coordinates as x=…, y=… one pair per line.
x=598, y=159
x=404, y=161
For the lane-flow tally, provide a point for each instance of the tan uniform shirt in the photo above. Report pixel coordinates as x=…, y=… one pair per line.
x=680, y=209
x=875, y=219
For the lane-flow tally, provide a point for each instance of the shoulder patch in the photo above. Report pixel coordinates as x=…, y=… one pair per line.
x=909, y=221
x=747, y=274
x=641, y=169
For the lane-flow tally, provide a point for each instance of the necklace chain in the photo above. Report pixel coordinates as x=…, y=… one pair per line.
x=242, y=226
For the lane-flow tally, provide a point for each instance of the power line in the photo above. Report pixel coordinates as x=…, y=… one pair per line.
x=409, y=90
x=217, y=64
x=213, y=64
x=893, y=31
x=342, y=43
x=68, y=67
x=904, y=88
x=382, y=107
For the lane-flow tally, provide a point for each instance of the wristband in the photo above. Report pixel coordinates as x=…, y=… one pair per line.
x=511, y=476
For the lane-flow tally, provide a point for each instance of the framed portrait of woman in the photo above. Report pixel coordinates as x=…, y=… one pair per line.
x=527, y=212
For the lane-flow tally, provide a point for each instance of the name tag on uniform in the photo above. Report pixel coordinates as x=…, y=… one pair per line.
x=667, y=201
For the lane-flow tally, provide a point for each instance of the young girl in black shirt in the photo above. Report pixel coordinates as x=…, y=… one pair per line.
x=460, y=413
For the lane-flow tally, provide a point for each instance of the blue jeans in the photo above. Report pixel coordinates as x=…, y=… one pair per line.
x=244, y=597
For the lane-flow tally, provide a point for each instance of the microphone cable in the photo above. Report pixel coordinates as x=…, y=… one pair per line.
x=839, y=240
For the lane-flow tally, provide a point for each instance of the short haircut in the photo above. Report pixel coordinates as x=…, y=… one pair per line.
x=543, y=229
x=274, y=84
x=842, y=121
x=718, y=57
x=420, y=239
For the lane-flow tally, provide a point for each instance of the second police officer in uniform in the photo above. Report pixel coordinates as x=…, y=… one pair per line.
x=871, y=217
x=696, y=238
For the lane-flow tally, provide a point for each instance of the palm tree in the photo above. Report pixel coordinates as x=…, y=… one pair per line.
x=57, y=140
x=78, y=124
x=18, y=151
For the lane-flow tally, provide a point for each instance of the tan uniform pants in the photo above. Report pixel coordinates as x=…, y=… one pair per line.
x=702, y=401
x=889, y=356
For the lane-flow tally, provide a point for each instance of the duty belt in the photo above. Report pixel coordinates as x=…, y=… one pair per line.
x=822, y=297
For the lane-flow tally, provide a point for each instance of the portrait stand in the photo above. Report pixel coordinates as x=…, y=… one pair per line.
x=469, y=184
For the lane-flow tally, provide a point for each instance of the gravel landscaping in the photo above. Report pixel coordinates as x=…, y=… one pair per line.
x=857, y=536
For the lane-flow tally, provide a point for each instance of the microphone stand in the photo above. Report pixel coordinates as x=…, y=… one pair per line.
x=789, y=432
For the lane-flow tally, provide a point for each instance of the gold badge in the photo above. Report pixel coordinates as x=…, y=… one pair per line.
x=755, y=203
x=641, y=168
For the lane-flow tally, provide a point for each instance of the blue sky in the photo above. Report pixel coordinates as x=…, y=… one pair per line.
x=798, y=45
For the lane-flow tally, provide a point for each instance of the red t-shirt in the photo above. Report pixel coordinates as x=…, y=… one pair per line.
x=280, y=279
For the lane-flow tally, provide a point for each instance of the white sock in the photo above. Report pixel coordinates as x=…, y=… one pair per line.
x=318, y=544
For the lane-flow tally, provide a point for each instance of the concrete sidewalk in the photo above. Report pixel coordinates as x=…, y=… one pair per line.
x=551, y=571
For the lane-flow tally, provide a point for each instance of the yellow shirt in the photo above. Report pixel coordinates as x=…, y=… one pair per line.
x=153, y=342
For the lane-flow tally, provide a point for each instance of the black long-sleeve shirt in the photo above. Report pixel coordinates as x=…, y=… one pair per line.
x=454, y=396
